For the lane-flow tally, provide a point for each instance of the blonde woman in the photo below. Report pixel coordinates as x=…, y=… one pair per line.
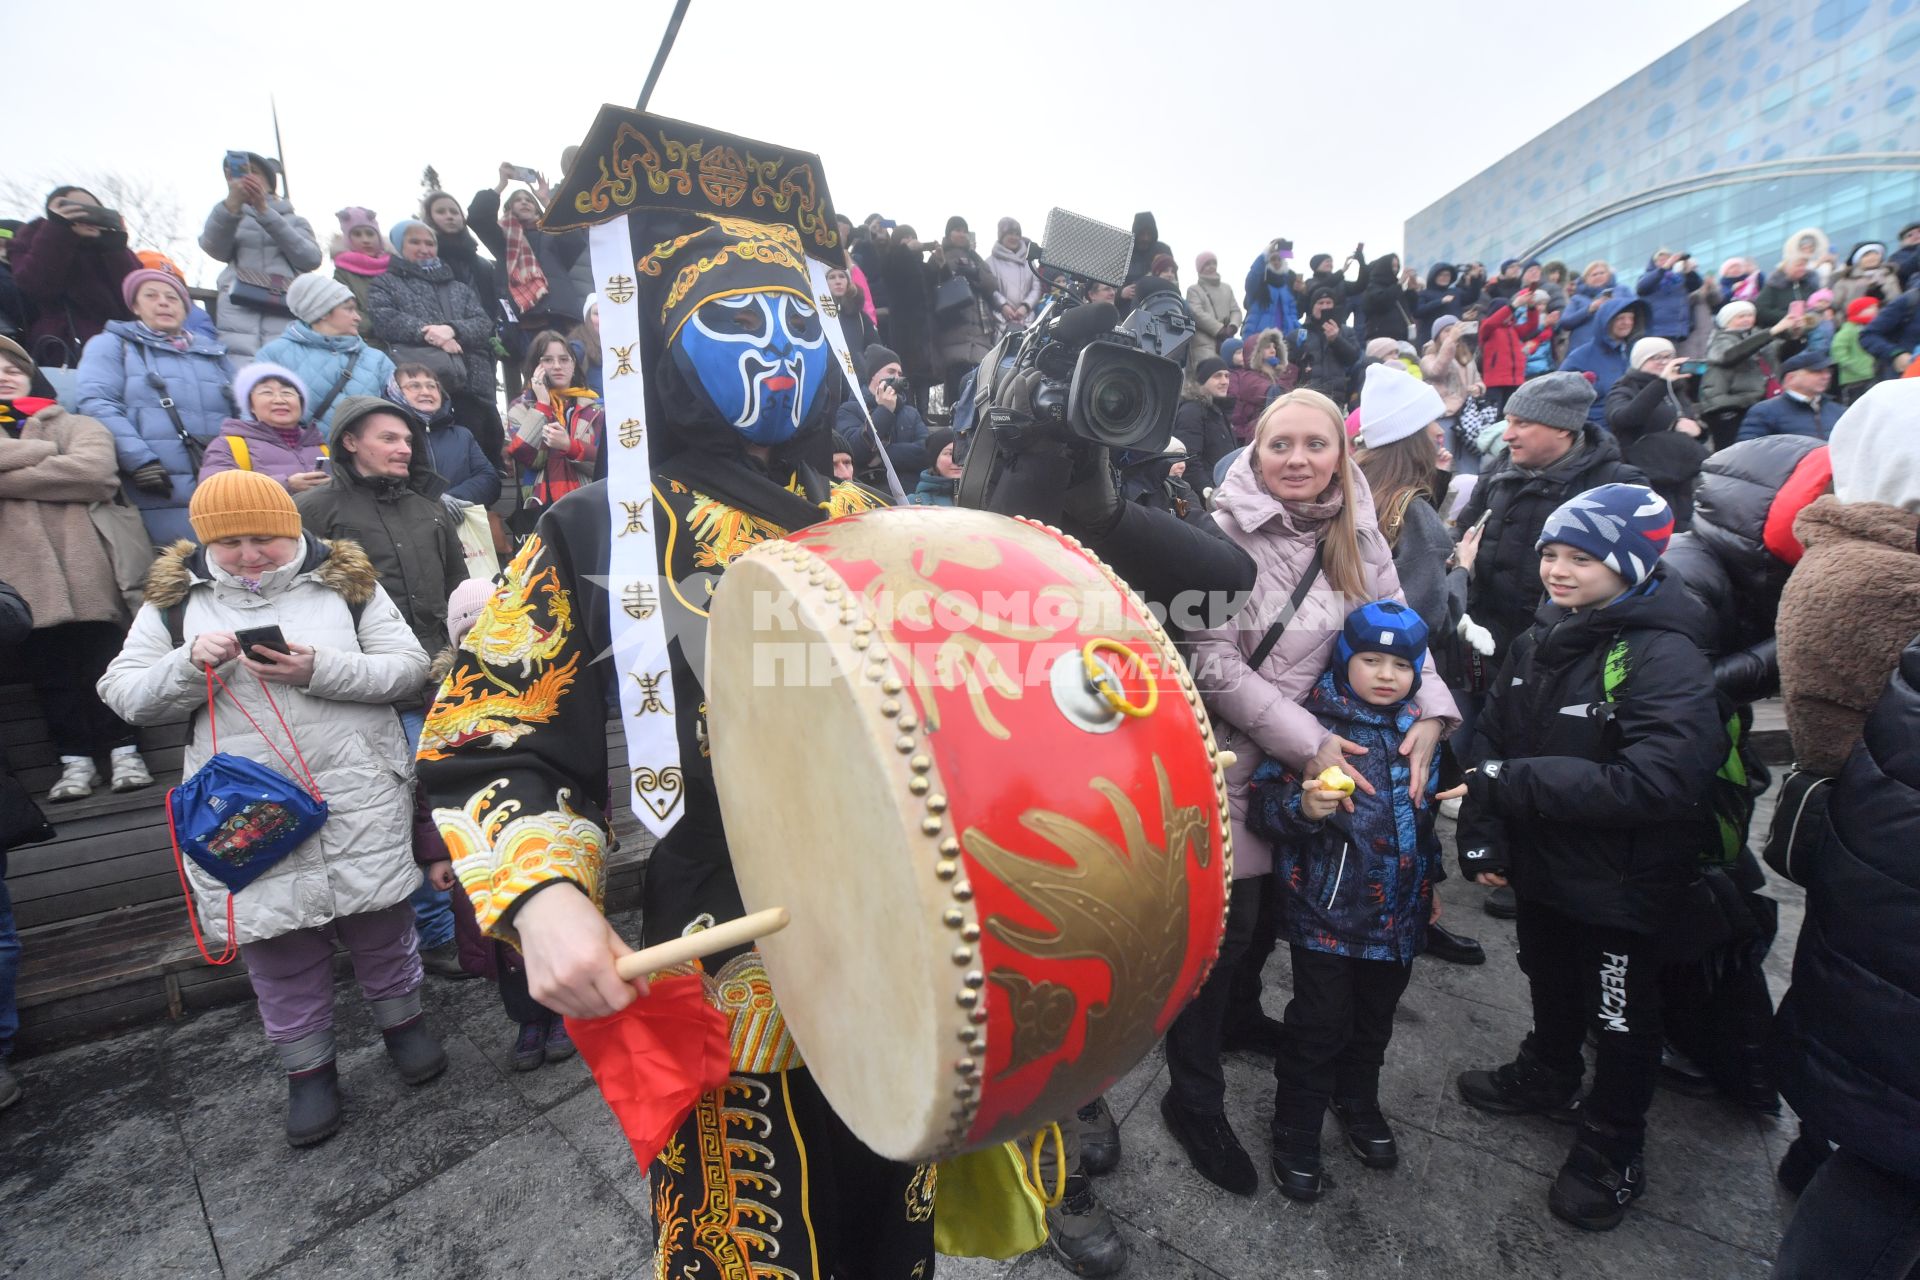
x=1295, y=502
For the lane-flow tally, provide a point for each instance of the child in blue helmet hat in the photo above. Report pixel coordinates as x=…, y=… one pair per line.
x=1359, y=872
x=1591, y=771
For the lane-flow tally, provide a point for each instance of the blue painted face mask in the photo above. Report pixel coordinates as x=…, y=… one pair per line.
x=758, y=358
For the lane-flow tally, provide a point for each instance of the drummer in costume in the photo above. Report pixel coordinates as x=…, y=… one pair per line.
x=762, y=1179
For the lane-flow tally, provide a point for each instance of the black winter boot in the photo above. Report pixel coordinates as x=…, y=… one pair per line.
x=1099, y=1137
x=1367, y=1131
x=1297, y=1167
x=1523, y=1087
x=1210, y=1144
x=1082, y=1234
x=313, y=1105
x=1601, y=1177
x=1805, y=1155
x=415, y=1053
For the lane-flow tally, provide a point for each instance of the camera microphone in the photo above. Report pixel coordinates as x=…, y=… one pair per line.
x=1081, y=325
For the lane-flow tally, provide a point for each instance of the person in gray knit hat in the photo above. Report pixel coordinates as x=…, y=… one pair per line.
x=1553, y=452
x=323, y=345
x=1558, y=400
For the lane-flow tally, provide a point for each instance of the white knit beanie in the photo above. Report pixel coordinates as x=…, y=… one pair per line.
x=1394, y=404
x=312, y=296
x=1875, y=449
x=1727, y=314
x=1649, y=348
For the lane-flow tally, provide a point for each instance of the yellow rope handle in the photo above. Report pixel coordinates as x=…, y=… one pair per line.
x=1102, y=682
x=1059, y=1165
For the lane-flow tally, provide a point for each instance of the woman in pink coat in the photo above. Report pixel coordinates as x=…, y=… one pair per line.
x=1293, y=491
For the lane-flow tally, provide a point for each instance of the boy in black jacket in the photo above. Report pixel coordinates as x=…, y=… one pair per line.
x=1599, y=740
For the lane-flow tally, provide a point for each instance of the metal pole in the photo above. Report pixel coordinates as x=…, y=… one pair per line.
x=280, y=152
x=666, y=47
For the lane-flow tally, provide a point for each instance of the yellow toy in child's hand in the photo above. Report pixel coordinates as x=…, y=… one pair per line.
x=1334, y=778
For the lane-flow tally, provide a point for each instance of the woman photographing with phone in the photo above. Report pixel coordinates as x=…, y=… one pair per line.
x=555, y=425
x=69, y=264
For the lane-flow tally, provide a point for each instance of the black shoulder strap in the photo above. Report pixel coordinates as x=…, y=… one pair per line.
x=1299, y=597
x=339, y=385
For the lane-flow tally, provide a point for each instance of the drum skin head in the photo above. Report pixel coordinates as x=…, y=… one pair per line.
x=1003, y=888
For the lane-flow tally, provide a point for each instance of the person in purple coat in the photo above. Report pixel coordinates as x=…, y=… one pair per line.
x=274, y=437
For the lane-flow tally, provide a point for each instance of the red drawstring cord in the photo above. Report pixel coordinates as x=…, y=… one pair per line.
x=232, y=950
x=313, y=787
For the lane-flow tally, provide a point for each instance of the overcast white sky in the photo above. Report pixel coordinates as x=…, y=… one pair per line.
x=1233, y=120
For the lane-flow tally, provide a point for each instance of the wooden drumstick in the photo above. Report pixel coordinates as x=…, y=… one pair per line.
x=674, y=951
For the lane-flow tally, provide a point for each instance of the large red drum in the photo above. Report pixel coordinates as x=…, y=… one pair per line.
x=971, y=764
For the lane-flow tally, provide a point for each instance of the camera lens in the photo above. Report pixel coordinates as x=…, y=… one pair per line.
x=1115, y=400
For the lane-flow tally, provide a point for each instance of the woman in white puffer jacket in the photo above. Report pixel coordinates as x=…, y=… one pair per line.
x=352, y=656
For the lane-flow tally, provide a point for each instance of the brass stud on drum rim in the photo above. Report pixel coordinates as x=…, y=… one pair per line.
x=903, y=744
x=932, y=826
x=918, y=785
x=963, y=955
x=953, y=917
x=946, y=869
x=936, y=803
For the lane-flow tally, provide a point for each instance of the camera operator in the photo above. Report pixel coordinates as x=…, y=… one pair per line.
x=1056, y=474
x=890, y=401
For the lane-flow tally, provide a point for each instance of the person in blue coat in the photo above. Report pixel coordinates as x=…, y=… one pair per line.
x=1358, y=895
x=323, y=345
x=1803, y=407
x=1597, y=285
x=1603, y=356
x=1664, y=287
x=1894, y=335
x=163, y=392
x=1269, y=298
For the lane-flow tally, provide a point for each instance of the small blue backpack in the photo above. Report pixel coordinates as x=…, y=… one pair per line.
x=236, y=818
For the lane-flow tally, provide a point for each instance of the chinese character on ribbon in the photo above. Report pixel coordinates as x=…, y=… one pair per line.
x=650, y=693
x=639, y=599
x=828, y=306
x=619, y=290
x=625, y=356
x=632, y=432
x=636, y=516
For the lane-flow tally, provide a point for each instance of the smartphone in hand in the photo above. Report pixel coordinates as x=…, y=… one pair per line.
x=235, y=165
x=522, y=173
x=256, y=638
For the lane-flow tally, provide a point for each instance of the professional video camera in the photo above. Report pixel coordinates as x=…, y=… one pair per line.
x=1078, y=378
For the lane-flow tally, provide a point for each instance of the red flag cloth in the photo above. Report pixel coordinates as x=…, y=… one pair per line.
x=654, y=1059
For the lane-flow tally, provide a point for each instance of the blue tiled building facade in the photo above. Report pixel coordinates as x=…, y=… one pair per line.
x=1781, y=115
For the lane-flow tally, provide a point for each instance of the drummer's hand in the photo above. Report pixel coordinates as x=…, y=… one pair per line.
x=569, y=949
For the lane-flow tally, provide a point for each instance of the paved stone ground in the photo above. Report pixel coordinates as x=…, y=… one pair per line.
x=160, y=1152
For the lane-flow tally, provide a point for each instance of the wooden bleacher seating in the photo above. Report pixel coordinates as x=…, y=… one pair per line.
x=102, y=924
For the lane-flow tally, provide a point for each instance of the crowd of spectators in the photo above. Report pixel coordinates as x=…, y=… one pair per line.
x=1465, y=443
